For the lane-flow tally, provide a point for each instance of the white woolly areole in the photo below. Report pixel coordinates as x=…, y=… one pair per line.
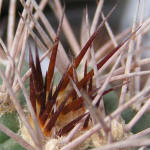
x=52, y=144
x=6, y=104
x=117, y=130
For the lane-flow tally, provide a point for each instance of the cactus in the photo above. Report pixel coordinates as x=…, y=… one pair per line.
x=96, y=100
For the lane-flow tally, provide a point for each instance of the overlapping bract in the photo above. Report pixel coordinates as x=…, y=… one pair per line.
x=44, y=96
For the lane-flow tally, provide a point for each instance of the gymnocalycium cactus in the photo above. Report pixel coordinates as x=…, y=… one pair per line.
x=100, y=100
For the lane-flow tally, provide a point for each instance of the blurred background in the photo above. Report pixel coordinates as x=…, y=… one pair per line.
x=120, y=19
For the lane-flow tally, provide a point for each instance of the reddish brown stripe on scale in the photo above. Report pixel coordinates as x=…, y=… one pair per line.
x=41, y=95
x=86, y=122
x=37, y=88
x=83, y=81
x=80, y=86
x=85, y=69
x=77, y=103
x=47, y=111
x=66, y=79
x=38, y=69
x=70, y=125
x=32, y=89
x=53, y=56
x=32, y=94
x=58, y=89
x=55, y=116
x=51, y=101
x=38, y=79
x=74, y=105
x=85, y=73
x=90, y=85
x=50, y=94
x=51, y=67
